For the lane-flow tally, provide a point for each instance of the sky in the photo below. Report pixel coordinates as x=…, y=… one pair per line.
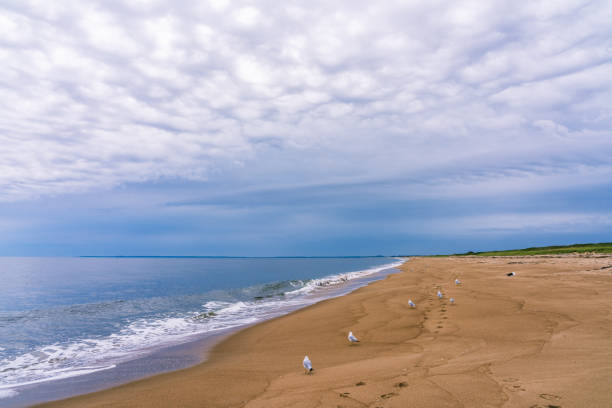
x=266, y=128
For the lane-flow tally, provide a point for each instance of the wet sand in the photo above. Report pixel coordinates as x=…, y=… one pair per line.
x=540, y=339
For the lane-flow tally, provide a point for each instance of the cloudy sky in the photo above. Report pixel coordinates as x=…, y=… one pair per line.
x=303, y=128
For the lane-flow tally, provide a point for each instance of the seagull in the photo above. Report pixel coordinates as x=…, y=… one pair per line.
x=457, y=282
x=352, y=338
x=307, y=365
x=511, y=274
x=440, y=295
x=452, y=300
x=411, y=303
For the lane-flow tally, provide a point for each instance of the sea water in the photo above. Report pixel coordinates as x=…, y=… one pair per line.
x=71, y=317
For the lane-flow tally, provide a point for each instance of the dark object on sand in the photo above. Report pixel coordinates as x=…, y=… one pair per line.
x=511, y=274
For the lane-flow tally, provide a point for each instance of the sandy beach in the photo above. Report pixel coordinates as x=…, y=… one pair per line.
x=540, y=339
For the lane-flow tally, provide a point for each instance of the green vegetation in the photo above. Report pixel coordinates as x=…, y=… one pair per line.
x=601, y=248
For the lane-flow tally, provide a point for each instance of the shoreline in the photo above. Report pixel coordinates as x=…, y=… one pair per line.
x=175, y=357
x=538, y=339
x=165, y=360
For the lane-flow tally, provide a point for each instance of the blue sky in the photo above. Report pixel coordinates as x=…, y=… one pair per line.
x=344, y=128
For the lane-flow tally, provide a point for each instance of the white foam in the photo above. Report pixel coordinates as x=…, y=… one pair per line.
x=233, y=308
x=316, y=284
x=59, y=374
x=88, y=355
x=7, y=393
x=215, y=305
x=57, y=361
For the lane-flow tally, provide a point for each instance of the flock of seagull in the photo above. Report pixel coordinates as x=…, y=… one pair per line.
x=352, y=339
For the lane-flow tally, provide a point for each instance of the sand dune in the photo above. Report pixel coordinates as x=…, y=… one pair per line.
x=540, y=339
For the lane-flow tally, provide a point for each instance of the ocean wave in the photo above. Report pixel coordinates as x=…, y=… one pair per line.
x=140, y=337
x=80, y=357
x=57, y=374
x=313, y=285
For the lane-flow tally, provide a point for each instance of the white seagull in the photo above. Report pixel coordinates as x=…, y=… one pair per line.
x=440, y=295
x=307, y=365
x=411, y=303
x=352, y=338
x=457, y=282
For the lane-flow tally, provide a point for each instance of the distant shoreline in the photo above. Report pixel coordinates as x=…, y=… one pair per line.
x=237, y=257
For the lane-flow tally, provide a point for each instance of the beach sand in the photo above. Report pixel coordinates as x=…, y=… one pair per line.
x=540, y=339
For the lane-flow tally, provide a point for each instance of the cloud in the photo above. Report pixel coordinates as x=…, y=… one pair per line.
x=100, y=94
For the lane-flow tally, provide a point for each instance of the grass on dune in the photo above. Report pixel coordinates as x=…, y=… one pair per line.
x=602, y=248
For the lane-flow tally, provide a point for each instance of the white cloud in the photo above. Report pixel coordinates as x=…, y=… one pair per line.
x=99, y=94
x=251, y=71
x=247, y=16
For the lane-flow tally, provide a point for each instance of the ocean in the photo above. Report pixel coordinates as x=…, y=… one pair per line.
x=69, y=325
